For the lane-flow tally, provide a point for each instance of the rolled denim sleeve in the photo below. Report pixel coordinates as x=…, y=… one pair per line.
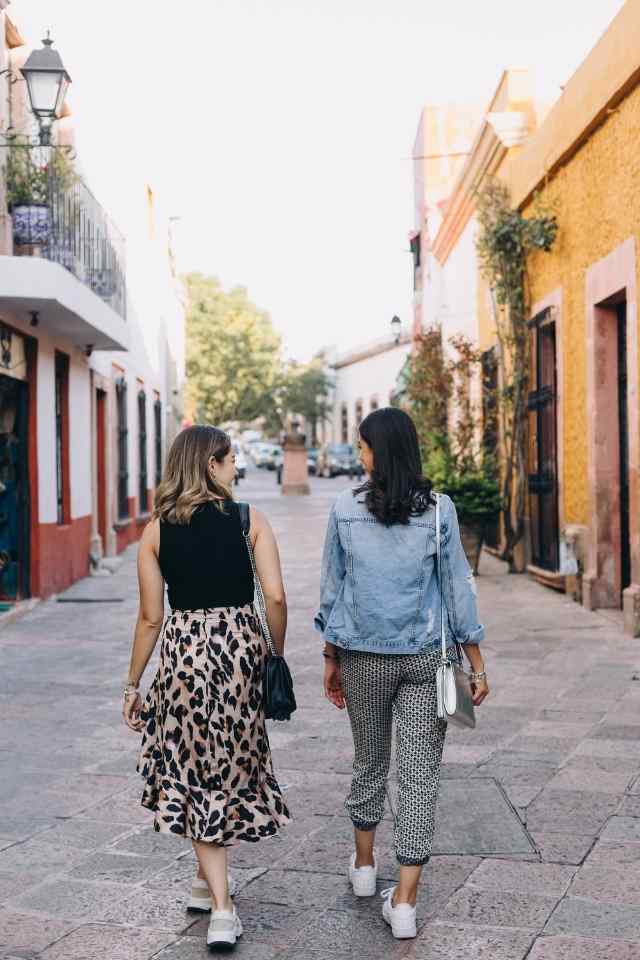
x=458, y=581
x=333, y=573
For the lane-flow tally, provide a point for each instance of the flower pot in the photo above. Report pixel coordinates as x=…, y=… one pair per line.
x=31, y=224
x=472, y=536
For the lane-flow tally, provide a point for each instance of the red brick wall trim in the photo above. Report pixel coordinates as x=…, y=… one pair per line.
x=127, y=531
x=63, y=554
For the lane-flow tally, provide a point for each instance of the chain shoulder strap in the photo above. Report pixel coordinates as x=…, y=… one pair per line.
x=245, y=520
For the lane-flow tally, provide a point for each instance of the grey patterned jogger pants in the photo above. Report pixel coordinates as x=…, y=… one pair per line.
x=379, y=688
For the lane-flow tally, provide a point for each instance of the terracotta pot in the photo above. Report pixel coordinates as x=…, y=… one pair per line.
x=472, y=536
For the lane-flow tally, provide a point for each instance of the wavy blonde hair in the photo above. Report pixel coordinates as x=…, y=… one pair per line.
x=187, y=482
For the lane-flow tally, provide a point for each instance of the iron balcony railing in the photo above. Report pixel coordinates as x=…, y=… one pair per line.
x=57, y=217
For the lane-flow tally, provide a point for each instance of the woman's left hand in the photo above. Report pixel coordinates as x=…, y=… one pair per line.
x=131, y=712
x=479, y=690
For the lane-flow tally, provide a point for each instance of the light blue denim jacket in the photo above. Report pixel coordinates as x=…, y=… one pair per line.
x=379, y=590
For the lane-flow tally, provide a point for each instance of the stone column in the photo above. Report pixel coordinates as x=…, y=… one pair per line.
x=295, y=474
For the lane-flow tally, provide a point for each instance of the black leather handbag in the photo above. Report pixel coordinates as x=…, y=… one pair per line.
x=277, y=685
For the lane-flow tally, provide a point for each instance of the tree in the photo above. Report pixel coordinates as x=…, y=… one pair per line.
x=427, y=390
x=233, y=353
x=306, y=392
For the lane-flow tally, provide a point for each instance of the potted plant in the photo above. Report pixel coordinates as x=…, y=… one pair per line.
x=475, y=492
x=28, y=189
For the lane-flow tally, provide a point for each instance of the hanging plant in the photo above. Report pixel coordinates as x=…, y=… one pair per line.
x=31, y=172
x=505, y=240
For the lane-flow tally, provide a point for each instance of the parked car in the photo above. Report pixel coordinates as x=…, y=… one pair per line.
x=338, y=459
x=241, y=461
x=260, y=453
x=312, y=460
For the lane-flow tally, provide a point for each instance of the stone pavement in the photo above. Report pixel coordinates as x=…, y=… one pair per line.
x=538, y=843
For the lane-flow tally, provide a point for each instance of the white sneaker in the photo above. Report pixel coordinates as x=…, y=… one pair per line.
x=363, y=879
x=224, y=929
x=200, y=898
x=401, y=918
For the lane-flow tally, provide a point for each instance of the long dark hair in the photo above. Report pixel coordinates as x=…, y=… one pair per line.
x=397, y=488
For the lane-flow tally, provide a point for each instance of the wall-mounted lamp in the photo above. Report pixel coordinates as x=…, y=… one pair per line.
x=88, y=350
x=35, y=318
x=396, y=328
x=47, y=82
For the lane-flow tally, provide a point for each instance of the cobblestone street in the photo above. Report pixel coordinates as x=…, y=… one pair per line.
x=538, y=840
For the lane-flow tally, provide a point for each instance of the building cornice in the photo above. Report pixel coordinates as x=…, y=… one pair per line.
x=487, y=154
x=607, y=75
x=371, y=350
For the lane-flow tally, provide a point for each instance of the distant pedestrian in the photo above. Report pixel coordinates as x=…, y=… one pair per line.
x=205, y=753
x=380, y=618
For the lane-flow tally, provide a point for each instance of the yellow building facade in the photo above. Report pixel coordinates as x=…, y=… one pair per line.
x=583, y=161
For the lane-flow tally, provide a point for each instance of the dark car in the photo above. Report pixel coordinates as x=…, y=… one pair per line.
x=338, y=459
x=312, y=460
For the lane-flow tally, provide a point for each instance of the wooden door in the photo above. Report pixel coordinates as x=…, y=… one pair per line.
x=543, y=454
x=623, y=460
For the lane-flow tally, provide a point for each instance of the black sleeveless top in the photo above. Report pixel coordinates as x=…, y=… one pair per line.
x=205, y=563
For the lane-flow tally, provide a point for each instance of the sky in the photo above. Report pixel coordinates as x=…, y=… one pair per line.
x=280, y=132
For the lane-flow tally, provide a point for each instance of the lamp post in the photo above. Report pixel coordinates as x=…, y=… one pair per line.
x=396, y=328
x=47, y=82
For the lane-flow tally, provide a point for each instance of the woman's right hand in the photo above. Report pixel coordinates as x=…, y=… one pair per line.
x=131, y=712
x=333, y=683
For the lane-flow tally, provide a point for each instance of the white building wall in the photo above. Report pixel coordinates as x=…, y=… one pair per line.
x=458, y=288
x=47, y=492
x=79, y=431
x=372, y=377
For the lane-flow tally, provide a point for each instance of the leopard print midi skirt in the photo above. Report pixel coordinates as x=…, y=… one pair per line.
x=205, y=753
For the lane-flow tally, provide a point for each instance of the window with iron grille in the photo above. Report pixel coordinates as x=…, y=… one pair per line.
x=123, y=454
x=415, y=251
x=157, y=416
x=143, y=496
x=62, y=436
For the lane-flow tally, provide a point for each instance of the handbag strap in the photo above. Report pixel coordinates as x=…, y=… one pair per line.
x=245, y=523
x=443, y=639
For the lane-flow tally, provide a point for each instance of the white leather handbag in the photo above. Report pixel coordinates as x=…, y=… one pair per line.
x=453, y=687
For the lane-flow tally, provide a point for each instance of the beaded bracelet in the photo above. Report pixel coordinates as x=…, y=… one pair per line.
x=478, y=676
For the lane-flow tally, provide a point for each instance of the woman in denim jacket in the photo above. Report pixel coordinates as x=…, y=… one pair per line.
x=380, y=619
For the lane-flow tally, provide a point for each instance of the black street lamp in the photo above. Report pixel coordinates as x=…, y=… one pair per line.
x=47, y=82
x=396, y=327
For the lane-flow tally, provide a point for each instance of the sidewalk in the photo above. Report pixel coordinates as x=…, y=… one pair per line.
x=538, y=839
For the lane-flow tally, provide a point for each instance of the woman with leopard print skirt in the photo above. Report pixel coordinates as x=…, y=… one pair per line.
x=379, y=616
x=205, y=754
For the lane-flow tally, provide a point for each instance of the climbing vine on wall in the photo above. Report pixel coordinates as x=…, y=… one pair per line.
x=505, y=240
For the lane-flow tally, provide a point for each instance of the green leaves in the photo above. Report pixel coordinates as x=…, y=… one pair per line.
x=234, y=364
x=233, y=353
x=31, y=171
